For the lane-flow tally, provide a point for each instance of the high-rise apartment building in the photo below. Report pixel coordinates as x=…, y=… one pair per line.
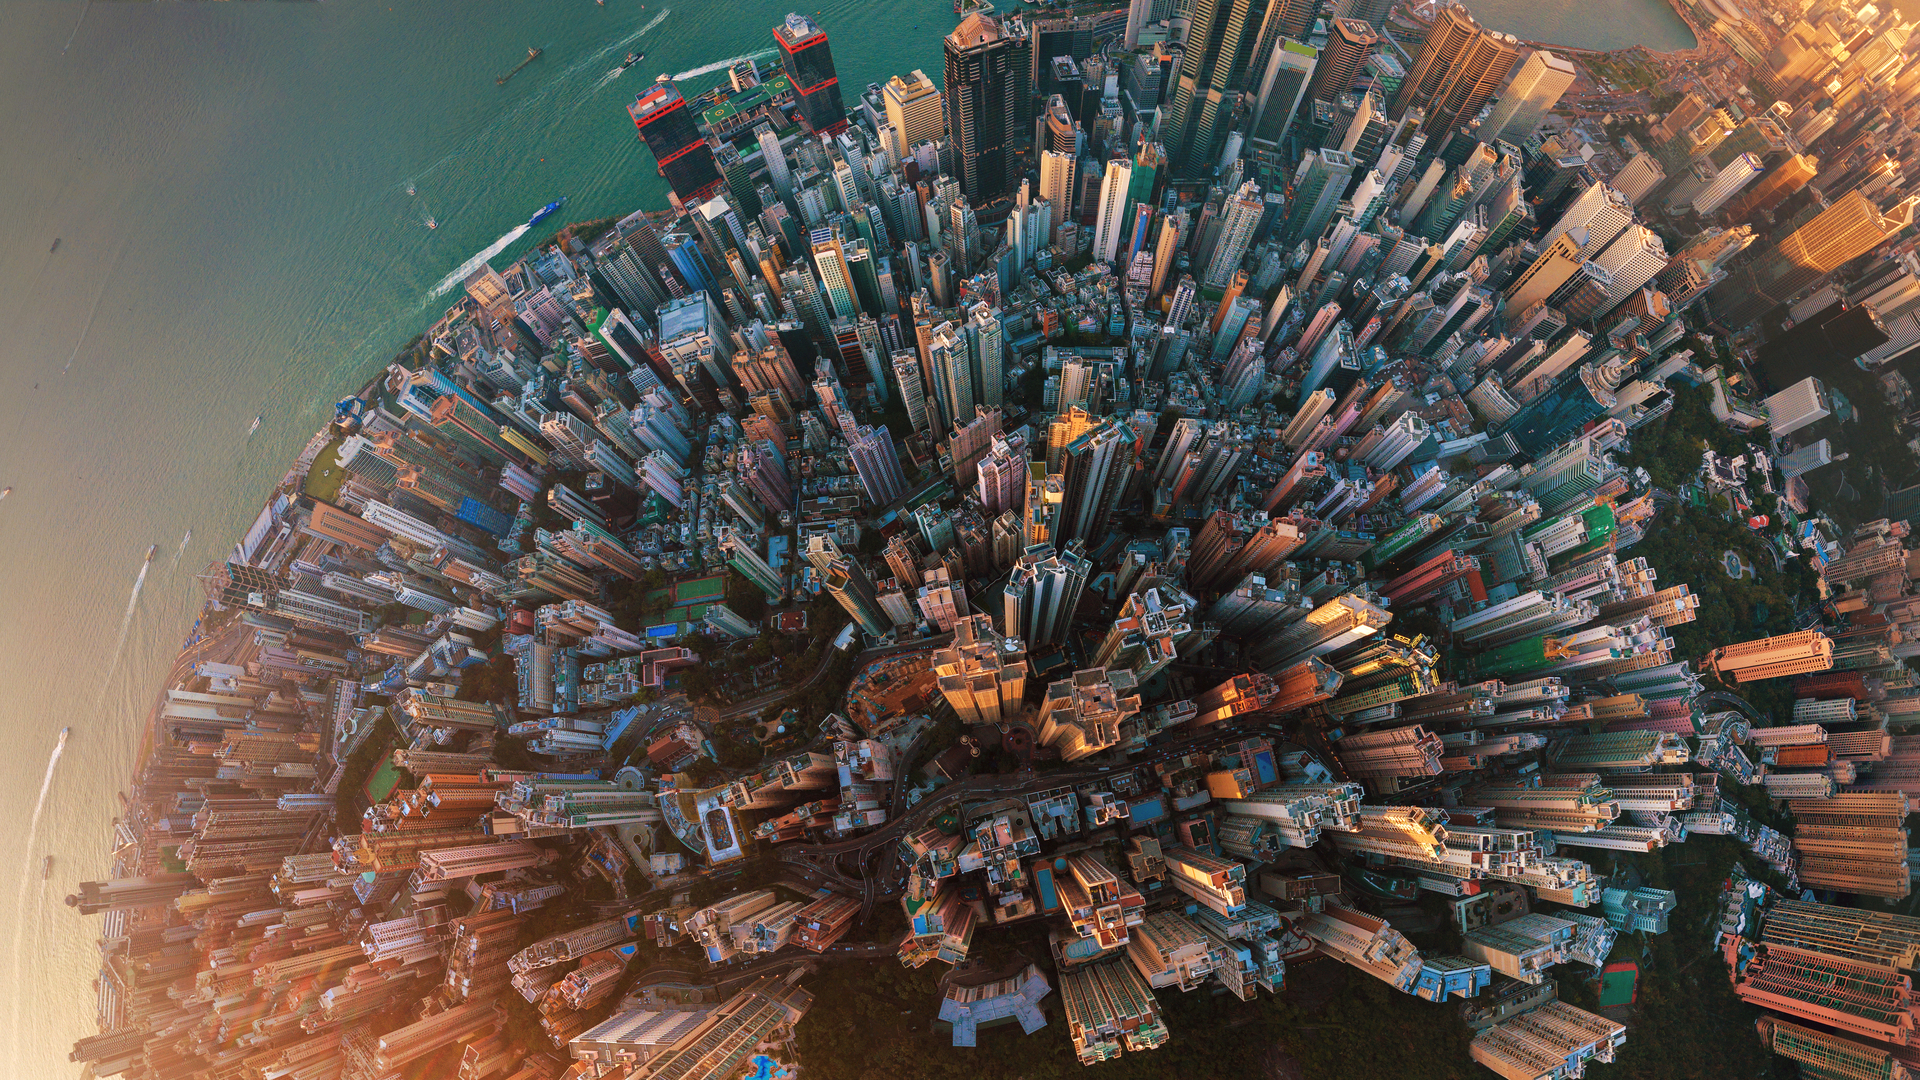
x=1113, y=219
x=1349, y=43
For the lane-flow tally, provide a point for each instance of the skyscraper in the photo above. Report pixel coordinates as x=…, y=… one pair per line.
x=668, y=127
x=1282, y=86
x=1056, y=186
x=1848, y=229
x=1042, y=590
x=914, y=111
x=1317, y=186
x=982, y=93
x=878, y=465
x=849, y=584
x=1534, y=91
x=1213, y=66
x=1348, y=47
x=808, y=61
x=1737, y=174
x=1097, y=466
x=1238, y=219
x=1459, y=67
x=1113, y=218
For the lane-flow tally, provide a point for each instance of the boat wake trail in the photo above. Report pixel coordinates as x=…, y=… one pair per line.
x=27, y=875
x=181, y=550
x=722, y=65
x=76, y=27
x=460, y=272
x=126, y=623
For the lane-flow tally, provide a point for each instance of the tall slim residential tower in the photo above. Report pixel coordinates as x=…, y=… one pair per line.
x=1056, y=186
x=1534, y=91
x=1848, y=229
x=878, y=465
x=1348, y=47
x=983, y=106
x=1459, y=67
x=1113, y=219
x=668, y=127
x=808, y=61
x=914, y=110
x=849, y=584
x=1240, y=217
x=1097, y=467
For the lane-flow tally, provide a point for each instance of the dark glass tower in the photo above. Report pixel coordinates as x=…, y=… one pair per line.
x=984, y=91
x=808, y=61
x=668, y=127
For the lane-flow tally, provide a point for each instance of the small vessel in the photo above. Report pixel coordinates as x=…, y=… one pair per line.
x=632, y=59
x=409, y=187
x=533, y=53
x=544, y=212
x=152, y=550
x=432, y=223
x=46, y=868
x=253, y=427
x=55, y=247
x=4, y=494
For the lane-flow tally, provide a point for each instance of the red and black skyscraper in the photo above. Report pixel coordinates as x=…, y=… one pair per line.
x=808, y=61
x=668, y=126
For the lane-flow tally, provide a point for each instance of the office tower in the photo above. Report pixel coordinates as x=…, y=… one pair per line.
x=1737, y=174
x=1283, y=85
x=1527, y=100
x=914, y=111
x=1603, y=212
x=1212, y=71
x=1553, y=417
x=1790, y=175
x=1848, y=229
x=1239, y=217
x=808, y=61
x=985, y=60
x=1459, y=67
x=1318, y=184
x=1348, y=46
x=1056, y=186
x=1113, y=217
x=1639, y=177
x=1630, y=261
x=1043, y=589
x=878, y=465
x=1096, y=466
x=668, y=127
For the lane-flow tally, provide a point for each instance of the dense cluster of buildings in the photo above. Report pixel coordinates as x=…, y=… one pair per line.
x=1138, y=388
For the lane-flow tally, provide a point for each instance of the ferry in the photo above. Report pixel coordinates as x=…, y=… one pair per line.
x=632, y=59
x=152, y=550
x=544, y=212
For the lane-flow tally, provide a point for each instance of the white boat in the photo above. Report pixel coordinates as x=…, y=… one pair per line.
x=253, y=427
